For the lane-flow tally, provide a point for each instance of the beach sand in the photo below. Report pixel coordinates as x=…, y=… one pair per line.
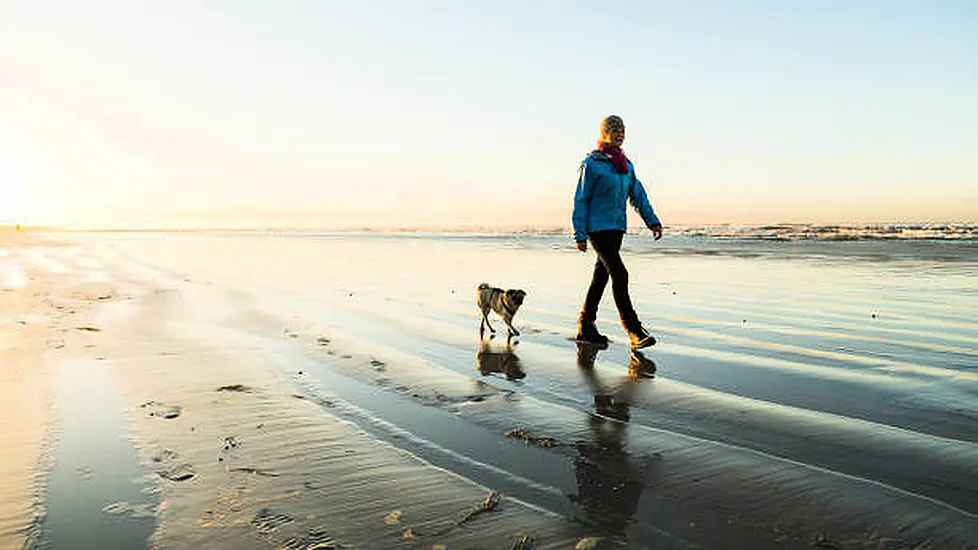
x=27, y=394
x=327, y=391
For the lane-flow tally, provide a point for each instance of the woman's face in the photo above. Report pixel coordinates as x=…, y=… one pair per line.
x=616, y=136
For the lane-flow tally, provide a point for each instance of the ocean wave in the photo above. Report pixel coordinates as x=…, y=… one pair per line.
x=794, y=232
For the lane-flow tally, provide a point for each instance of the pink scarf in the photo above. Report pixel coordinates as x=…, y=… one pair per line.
x=618, y=158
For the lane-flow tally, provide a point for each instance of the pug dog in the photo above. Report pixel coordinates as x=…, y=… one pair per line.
x=504, y=302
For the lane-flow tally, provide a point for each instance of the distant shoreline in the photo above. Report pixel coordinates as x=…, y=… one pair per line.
x=482, y=229
x=964, y=231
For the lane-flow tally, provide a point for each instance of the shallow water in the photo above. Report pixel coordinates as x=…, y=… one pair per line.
x=98, y=496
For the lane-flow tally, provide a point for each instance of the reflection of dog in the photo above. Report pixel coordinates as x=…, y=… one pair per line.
x=503, y=361
x=504, y=302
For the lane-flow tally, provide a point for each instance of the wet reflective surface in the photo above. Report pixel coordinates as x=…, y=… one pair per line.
x=789, y=398
x=610, y=482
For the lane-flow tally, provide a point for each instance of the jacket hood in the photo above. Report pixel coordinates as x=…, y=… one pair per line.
x=597, y=156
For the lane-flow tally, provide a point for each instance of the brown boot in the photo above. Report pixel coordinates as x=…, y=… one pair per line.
x=588, y=332
x=637, y=334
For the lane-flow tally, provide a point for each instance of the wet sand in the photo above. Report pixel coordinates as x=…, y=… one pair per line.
x=27, y=392
x=27, y=395
x=313, y=392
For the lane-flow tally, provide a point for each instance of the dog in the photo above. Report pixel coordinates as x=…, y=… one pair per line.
x=504, y=302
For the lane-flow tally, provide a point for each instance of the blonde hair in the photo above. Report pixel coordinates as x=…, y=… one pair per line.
x=610, y=124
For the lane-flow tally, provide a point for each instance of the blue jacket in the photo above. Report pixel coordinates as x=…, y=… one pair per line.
x=600, y=201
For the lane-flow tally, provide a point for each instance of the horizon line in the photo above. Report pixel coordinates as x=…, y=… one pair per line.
x=454, y=229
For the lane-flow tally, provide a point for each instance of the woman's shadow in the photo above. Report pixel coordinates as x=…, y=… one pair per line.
x=609, y=481
x=496, y=359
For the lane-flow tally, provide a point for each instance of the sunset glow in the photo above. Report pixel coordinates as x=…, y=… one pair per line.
x=373, y=114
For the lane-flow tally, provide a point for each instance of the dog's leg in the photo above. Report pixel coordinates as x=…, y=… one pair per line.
x=509, y=324
x=483, y=324
x=485, y=318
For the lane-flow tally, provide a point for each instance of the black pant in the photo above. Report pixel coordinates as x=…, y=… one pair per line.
x=607, y=245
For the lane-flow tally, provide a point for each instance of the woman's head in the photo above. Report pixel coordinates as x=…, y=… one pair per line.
x=612, y=131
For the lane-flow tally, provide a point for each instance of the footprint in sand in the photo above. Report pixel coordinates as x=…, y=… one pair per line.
x=229, y=446
x=314, y=485
x=161, y=410
x=317, y=539
x=231, y=442
x=180, y=472
x=164, y=455
x=267, y=521
x=168, y=469
x=235, y=388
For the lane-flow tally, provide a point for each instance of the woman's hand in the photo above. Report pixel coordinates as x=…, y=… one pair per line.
x=582, y=246
x=657, y=231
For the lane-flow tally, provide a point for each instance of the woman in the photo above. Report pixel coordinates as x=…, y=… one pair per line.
x=607, y=181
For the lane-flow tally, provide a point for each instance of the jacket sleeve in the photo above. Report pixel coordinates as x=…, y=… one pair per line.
x=640, y=201
x=582, y=202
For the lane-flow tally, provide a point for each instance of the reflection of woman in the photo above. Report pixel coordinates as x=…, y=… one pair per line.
x=609, y=402
x=607, y=182
x=608, y=489
x=608, y=485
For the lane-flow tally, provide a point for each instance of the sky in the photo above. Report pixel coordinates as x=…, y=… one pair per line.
x=458, y=113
